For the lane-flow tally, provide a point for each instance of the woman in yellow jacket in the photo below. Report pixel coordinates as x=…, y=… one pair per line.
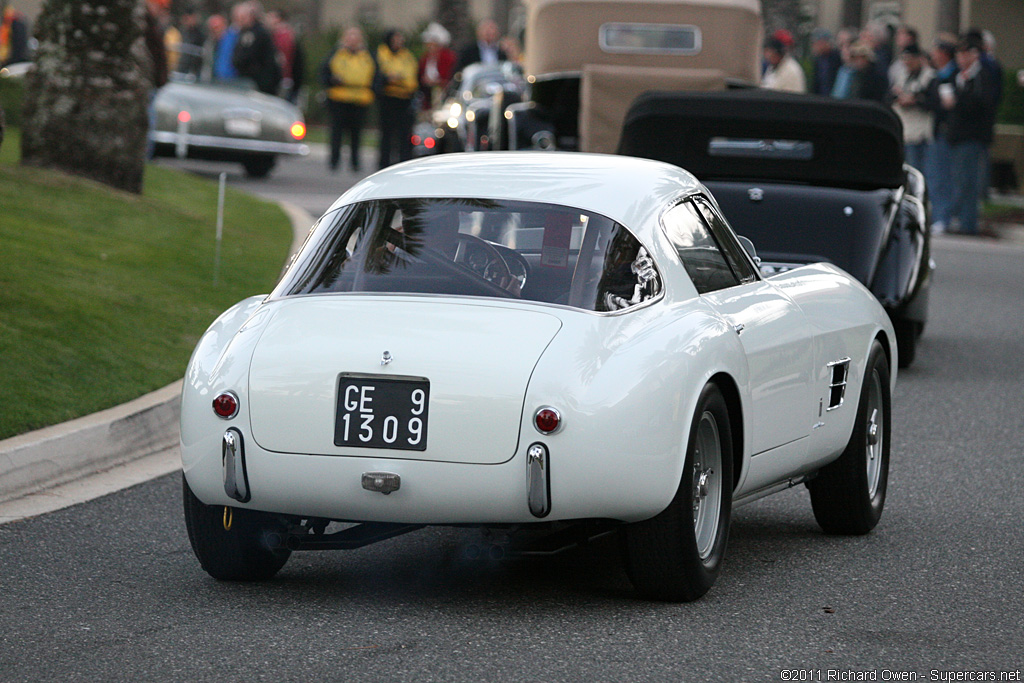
x=348, y=76
x=398, y=83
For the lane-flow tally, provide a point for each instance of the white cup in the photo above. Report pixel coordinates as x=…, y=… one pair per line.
x=947, y=92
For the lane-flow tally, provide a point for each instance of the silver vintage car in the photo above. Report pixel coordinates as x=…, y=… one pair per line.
x=226, y=121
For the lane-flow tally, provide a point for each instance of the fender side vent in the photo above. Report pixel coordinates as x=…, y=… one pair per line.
x=839, y=370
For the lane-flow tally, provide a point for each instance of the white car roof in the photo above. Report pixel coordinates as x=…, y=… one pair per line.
x=626, y=189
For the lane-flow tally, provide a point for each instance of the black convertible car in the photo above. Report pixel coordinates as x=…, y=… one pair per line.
x=807, y=179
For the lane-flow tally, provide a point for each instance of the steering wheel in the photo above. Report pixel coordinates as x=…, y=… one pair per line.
x=445, y=261
x=503, y=277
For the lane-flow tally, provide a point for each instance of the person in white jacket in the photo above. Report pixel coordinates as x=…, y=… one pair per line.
x=908, y=93
x=783, y=72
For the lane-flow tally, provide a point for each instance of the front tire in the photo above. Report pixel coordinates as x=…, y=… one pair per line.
x=848, y=495
x=907, y=334
x=242, y=552
x=677, y=554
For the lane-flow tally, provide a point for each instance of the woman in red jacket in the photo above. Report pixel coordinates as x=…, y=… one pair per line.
x=437, y=65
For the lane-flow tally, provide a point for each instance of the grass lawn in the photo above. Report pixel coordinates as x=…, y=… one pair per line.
x=103, y=294
x=1002, y=213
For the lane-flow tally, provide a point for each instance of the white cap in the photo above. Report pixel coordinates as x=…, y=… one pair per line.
x=435, y=33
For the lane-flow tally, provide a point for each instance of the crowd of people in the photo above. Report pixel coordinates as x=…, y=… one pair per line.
x=257, y=45
x=398, y=84
x=946, y=98
x=263, y=47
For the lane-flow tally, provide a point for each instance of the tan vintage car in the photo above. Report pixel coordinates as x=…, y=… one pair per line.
x=588, y=60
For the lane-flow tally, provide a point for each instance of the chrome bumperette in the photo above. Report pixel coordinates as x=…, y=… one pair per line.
x=236, y=478
x=538, y=480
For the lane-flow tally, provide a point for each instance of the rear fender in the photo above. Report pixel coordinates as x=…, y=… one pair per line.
x=627, y=405
x=219, y=363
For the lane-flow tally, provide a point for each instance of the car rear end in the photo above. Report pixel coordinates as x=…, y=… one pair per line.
x=407, y=370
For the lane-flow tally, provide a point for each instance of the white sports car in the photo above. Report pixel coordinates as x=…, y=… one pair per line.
x=533, y=342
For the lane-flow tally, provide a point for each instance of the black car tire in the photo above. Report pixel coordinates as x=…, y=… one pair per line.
x=259, y=167
x=907, y=333
x=239, y=553
x=663, y=555
x=848, y=494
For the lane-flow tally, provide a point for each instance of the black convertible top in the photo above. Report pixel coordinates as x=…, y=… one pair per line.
x=758, y=134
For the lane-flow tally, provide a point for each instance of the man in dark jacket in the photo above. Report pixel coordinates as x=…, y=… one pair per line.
x=940, y=173
x=485, y=49
x=867, y=83
x=827, y=61
x=971, y=103
x=255, y=56
x=192, y=39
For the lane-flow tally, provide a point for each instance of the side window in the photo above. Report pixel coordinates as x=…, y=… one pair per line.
x=697, y=249
x=731, y=248
x=628, y=275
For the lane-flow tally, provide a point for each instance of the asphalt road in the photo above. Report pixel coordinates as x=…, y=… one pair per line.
x=109, y=590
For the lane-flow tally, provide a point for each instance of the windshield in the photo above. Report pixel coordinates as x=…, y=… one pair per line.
x=476, y=247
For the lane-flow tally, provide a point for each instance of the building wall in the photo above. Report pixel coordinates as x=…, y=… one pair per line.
x=1006, y=21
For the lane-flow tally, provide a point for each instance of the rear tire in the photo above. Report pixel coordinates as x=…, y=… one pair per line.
x=241, y=553
x=259, y=167
x=848, y=495
x=677, y=554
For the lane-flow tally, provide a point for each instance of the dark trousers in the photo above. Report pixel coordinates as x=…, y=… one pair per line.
x=346, y=118
x=396, y=119
x=967, y=156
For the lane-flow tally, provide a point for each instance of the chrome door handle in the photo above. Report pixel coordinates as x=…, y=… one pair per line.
x=739, y=328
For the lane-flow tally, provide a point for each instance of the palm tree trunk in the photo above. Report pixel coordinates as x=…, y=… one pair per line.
x=86, y=101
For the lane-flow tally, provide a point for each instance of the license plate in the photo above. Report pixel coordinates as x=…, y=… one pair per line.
x=243, y=127
x=375, y=412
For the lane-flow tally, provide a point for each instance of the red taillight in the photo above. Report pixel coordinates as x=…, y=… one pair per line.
x=429, y=143
x=298, y=130
x=226, y=405
x=547, y=420
x=416, y=139
x=184, y=116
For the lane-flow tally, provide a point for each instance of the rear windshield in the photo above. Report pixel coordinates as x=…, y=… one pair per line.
x=636, y=38
x=476, y=247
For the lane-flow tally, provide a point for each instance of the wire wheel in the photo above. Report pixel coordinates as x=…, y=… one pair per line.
x=707, y=484
x=873, y=433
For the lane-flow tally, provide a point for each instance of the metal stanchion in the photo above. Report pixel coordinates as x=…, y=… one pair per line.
x=220, y=227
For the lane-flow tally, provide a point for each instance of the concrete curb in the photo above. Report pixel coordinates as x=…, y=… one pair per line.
x=68, y=451
x=61, y=453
